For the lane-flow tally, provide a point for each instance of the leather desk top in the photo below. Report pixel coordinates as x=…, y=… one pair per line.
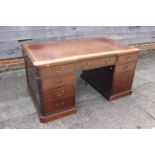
x=44, y=53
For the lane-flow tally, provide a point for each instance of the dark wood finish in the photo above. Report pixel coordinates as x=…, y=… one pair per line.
x=127, y=58
x=119, y=95
x=125, y=68
x=56, y=105
x=49, y=52
x=58, y=93
x=32, y=82
x=57, y=115
x=96, y=63
x=107, y=65
x=58, y=82
x=123, y=76
x=54, y=71
x=53, y=116
x=121, y=87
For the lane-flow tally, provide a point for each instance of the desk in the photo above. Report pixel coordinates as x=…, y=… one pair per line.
x=51, y=66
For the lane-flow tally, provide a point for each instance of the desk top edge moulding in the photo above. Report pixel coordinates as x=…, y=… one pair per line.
x=51, y=66
x=52, y=52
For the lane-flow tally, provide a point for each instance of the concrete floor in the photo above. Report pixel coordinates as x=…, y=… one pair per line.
x=94, y=111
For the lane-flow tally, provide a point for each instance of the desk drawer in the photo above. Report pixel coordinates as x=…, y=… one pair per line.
x=100, y=62
x=122, y=87
x=55, y=71
x=125, y=67
x=124, y=76
x=59, y=81
x=58, y=93
x=127, y=58
x=58, y=105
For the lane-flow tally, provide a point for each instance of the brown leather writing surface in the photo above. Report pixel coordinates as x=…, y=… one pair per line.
x=44, y=53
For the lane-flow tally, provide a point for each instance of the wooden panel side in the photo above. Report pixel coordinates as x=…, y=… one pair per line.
x=123, y=74
x=32, y=81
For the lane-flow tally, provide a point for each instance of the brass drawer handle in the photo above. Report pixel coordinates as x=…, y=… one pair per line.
x=58, y=70
x=61, y=103
x=85, y=64
x=60, y=93
x=125, y=67
x=125, y=75
x=124, y=80
x=108, y=60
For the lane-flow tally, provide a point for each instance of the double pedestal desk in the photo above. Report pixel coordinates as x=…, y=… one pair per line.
x=51, y=66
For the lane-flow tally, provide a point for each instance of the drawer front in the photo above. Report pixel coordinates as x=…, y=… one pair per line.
x=122, y=87
x=124, y=76
x=55, y=71
x=61, y=104
x=58, y=93
x=100, y=62
x=59, y=81
x=127, y=58
x=124, y=68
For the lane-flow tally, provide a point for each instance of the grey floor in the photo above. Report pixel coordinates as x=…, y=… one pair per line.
x=94, y=111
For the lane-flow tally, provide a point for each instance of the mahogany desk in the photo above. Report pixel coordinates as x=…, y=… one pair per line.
x=107, y=65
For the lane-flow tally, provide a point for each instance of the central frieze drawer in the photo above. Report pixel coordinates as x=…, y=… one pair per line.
x=95, y=63
x=58, y=93
x=55, y=71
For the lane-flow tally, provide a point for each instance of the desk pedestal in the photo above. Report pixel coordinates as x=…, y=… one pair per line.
x=112, y=82
x=53, y=88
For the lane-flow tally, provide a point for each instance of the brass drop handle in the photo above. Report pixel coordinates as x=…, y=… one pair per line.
x=60, y=93
x=125, y=75
x=59, y=70
x=85, y=64
x=125, y=67
x=61, y=103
